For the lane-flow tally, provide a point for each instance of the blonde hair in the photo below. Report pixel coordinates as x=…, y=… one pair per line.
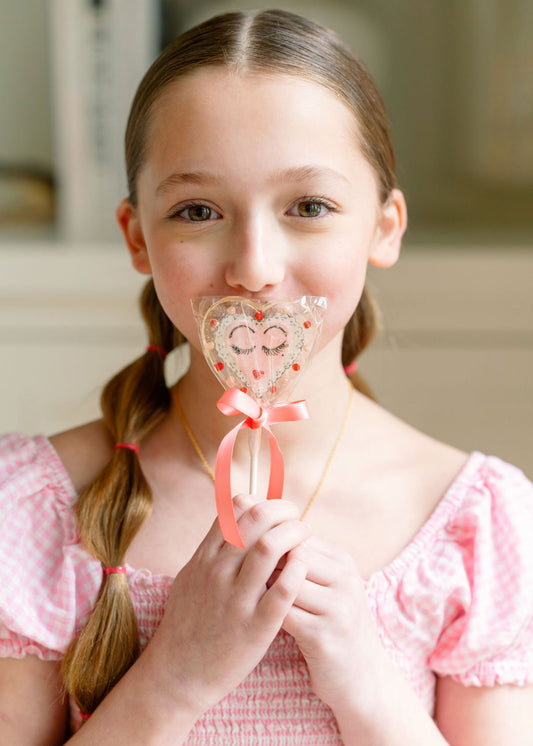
x=112, y=508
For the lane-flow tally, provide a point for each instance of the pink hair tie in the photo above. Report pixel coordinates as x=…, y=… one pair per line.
x=127, y=446
x=160, y=350
x=351, y=368
x=119, y=570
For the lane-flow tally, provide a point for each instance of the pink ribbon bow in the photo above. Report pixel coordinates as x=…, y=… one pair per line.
x=234, y=402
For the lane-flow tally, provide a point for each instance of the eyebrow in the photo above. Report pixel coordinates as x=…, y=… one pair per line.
x=303, y=173
x=296, y=174
x=275, y=326
x=241, y=326
x=188, y=177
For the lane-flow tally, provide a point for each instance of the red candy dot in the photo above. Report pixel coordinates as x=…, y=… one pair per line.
x=259, y=315
x=214, y=322
x=244, y=389
x=296, y=366
x=273, y=389
x=219, y=366
x=258, y=374
x=307, y=324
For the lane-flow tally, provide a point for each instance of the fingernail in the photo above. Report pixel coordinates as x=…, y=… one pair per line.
x=244, y=501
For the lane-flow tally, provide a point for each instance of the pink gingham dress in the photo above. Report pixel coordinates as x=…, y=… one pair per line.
x=457, y=601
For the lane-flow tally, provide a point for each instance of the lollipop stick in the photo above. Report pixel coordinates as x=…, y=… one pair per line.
x=254, y=441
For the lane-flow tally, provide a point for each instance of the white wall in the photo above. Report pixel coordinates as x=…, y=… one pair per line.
x=455, y=358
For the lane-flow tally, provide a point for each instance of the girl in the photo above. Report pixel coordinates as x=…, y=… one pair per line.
x=400, y=610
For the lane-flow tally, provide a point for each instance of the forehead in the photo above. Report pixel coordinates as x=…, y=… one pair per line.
x=214, y=84
x=249, y=120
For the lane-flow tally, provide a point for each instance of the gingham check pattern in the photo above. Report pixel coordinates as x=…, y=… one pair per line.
x=457, y=601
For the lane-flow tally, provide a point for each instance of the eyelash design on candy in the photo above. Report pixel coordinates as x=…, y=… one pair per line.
x=242, y=351
x=275, y=350
x=267, y=350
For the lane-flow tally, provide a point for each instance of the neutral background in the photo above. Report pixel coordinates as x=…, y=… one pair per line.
x=456, y=353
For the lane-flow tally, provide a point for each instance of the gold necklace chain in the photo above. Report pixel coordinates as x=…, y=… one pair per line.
x=312, y=499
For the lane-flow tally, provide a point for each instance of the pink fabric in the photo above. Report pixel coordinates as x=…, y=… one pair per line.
x=457, y=601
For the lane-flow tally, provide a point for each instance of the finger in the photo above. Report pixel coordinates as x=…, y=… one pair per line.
x=319, y=568
x=324, y=547
x=297, y=621
x=326, y=564
x=260, y=517
x=314, y=598
x=277, y=572
x=213, y=540
x=242, y=502
x=278, y=599
x=265, y=555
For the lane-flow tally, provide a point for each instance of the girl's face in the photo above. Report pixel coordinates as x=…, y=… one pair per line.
x=256, y=186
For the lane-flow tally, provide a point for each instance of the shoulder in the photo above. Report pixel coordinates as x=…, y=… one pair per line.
x=28, y=465
x=407, y=472
x=54, y=468
x=83, y=451
x=472, y=499
x=47, y=580
x=436, y=495
x=460, y=591
x=489, y=638
x=491, y=519
x=423, y=471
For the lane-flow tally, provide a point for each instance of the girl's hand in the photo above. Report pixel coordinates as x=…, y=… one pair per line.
x=331, y=623
x=221, y=617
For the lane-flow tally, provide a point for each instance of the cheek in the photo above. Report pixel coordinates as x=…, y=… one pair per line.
x=177, y=281
x=342, y=283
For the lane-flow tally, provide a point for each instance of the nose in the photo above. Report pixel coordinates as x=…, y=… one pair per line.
x=256, y=256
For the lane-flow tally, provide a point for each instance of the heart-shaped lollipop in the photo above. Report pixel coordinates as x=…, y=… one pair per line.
x=260, y=347
x=257, y=350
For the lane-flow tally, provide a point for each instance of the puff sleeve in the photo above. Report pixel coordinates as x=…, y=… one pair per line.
x=48, y=583
x=488, y=638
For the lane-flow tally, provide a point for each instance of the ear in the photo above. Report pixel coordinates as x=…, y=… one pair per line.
x=391, y=225
x=128, y=220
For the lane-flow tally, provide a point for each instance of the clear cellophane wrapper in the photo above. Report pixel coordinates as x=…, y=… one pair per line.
x=259, y=347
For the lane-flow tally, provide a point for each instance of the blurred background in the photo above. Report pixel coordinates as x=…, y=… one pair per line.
x=456, y=352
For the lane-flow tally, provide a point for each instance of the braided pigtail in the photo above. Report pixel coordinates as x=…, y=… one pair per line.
x=358, y=333
x=111, y=510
